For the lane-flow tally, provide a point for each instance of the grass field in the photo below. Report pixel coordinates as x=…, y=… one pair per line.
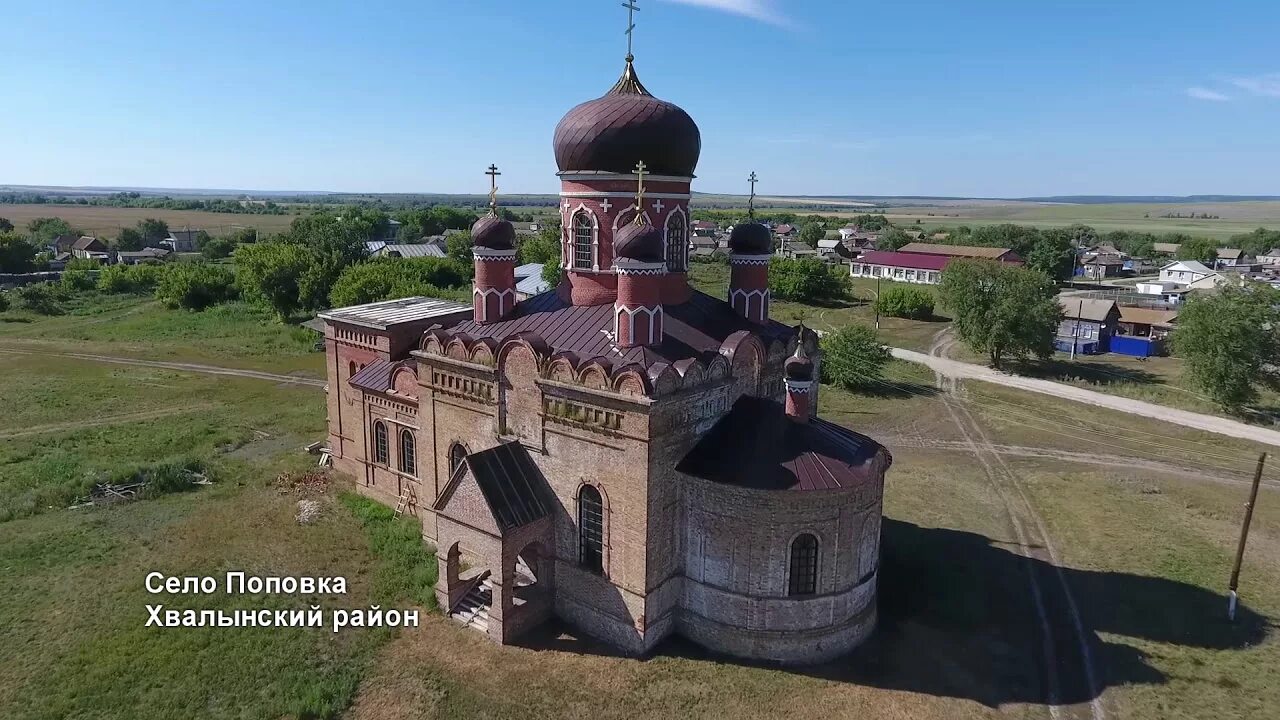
x=108, y=221
x=1143, y=516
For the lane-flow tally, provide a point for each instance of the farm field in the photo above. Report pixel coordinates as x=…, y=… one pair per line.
x=1142, y=516
x=108, y=221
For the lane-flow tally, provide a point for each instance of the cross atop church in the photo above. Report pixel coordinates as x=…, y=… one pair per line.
x=751, y=202
x=493, y=174
x=632, y=9
x=641, y=171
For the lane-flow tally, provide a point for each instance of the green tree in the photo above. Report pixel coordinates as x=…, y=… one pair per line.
x=1230, y=341
x=153, y=231
x=892, y=239
x=195, y=286
x=905, y=301
x=871, y=223
x=392, y=278
x=852, y=357
x=1053, y=254
x=41, y=298
x=130, y=240
x=1199, y=248
x=1001, y=310
x=80, y=274
x=120, y=278
x=332, y=243
x=16, y=254
x=541, y=248
x=271, y=275
x=552, y=273
x=1258, y=242
x=44, y=230
x=4, y=302
x=5, y=225
x=218, y=248
x=812, y=232
x=806, y=280
x=458, y=247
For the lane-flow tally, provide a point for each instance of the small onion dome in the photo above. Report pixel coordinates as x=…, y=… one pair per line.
x=798, y=367
x=642, y=243
x=751, y=238
x=625, y=126
x=493, y=233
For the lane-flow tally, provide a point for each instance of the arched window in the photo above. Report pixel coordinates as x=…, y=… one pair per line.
x=803, y=579
x=408, y=453
x=583, y=240
x=457, y=454
x=677, y=244
x=381, y=452
x=591, y=529
x=351, y=368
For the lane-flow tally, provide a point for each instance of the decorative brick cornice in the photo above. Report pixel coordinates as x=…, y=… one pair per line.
x=738, y=259
x=490, y=255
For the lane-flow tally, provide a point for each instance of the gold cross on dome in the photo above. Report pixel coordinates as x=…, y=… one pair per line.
x=493, y=174
x=632, y=9
x=751, y=202
x=641, y=171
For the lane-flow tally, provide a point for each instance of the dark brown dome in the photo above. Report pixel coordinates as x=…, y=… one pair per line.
x=798, y=367
x=625, y=127
x=751, y=238
x=493, y=233
x=638, y=242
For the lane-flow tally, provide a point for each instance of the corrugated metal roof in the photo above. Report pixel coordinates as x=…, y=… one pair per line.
x=1146, y=316
x=696, y=328
x=411, y=251
x=523, y=271
x=916, y=261
x=513, y=486
x=756, y=445
x=374, y=377
x=970, y=251
x=532, y=285
x=1091, y=309
x=384, y=314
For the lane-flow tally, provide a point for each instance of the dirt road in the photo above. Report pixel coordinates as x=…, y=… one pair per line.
x=955, y=369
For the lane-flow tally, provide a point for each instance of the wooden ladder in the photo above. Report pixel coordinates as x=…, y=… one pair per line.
x=408, y=498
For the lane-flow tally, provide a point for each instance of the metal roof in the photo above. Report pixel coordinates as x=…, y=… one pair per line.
x=387, y=313
x=694, y=329
x=970, y=251
x=513, y=487
x=1146, y=316
x=375, y=377
x=917, y=261
x=756, y=445
x=411, y=251
x=1091, y=309
x=532, y=285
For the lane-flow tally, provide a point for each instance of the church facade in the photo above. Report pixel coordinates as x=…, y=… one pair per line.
x=624, y=453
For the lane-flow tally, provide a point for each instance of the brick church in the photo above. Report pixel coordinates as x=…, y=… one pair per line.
x=624, y=453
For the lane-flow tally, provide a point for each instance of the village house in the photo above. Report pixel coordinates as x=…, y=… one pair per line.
x=151, y=254
x=623, y=452
x=919, y=268
x=1166, y=248
x=794, y=250
x=705, y=229
x=1185, y=272
x=63, y=244
x=91, y=248
x=1088, y=323
x=1004, y=255
x=1169, y=291
x=529, y=281
x=785, y=232
x=833, y=250
x=1270, y=259
x=1102, y=266
x=183, y=241
x=1142, y=332
x=1232, y=259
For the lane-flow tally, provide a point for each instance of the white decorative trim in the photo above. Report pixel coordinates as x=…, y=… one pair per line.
x=627, y=266
x=798, y=386
x=738, y=259
x=489, y=254
x=484, y=305
x=658, y=206
x=622, y=194
x=617, y=219
x=571, y=253
x=605, y=175
x=666, y=230
x=747, y=296
x=655, y=315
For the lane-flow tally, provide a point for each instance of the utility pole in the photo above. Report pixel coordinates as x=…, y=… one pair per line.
x=1232, y=599
x=877, y=302
x=1075, y=331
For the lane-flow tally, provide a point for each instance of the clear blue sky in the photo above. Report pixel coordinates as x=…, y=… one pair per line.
x=982, y=98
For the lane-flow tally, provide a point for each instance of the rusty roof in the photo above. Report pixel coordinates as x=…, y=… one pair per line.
x=695, y=329
x=757, y=446
x=1146, y=316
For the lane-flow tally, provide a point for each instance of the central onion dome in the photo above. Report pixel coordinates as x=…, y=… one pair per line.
x=626, y=126
x=493, y=233
x=751, y=238
x=642, y=243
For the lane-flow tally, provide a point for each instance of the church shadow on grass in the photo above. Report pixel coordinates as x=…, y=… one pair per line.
x=957, y=620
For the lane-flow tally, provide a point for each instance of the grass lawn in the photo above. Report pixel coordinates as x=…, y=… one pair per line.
x=234, y=334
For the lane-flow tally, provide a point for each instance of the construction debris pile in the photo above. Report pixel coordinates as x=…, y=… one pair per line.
x=111, y=493
x=311, y=482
